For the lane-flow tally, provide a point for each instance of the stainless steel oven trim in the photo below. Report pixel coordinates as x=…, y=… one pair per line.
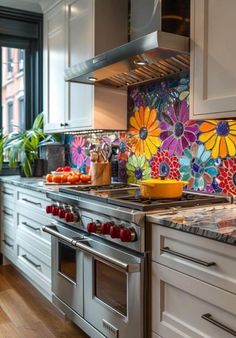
x=67, y=278
x=105, y=305
x=134, y=216
x=127, y=267
x=124, y=323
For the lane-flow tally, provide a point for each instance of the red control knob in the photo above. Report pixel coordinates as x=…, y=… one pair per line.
x=126, y=235
x=49, y=209
x=55, y=210
x=92, y=227
x=69, y=216
x=115, y=231
x=105, y=228
x=61, y=213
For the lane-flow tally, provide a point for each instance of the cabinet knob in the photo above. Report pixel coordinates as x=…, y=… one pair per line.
x=66, y=124
x=62, y=124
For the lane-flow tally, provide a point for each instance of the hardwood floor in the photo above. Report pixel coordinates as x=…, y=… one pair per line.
x=24, y=313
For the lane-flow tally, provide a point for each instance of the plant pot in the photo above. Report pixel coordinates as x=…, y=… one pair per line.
x=38, y=168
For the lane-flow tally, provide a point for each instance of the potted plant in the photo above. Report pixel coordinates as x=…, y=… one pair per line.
x=22, y=146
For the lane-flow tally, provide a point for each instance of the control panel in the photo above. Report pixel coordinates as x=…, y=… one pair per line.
x=101, y=225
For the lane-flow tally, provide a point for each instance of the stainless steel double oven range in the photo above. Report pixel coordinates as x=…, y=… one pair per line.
x=100, y=257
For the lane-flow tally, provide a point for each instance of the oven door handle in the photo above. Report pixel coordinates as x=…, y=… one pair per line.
x=126, y=267
x=52, y=230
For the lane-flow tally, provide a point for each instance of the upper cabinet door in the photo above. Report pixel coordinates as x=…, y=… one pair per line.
x=54, y=65
x=213, y=59
x=80, y=47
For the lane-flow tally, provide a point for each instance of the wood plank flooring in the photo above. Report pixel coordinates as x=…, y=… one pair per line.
x=24, y=313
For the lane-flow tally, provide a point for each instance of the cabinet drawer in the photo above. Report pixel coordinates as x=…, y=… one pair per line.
x=8, y=194
x=8, y=228
x=180, y=303
x=38, y=248
x=34, y=200
x=24, y=253
x=8, y=219
x=33, y=225
x=34, y=268
x=8, y=245
x=194, y=256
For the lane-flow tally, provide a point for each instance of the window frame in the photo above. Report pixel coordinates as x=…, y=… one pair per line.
x=24, y=30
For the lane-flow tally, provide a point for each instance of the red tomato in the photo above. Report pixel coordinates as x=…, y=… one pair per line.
x=73, y=179
x=49, y=177
x=85, y=178
x=57, y=178
x=64, y=178
x=67, y=168
x=59, y=169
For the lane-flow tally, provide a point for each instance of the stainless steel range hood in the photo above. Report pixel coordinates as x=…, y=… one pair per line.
x=149, y=57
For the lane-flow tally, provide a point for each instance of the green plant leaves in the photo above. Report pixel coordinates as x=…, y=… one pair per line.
x=23, y=145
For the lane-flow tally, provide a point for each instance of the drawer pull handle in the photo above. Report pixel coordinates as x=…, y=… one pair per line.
x=7, y=213
x=37, y=266
x=189, y=258
x=208, y=317
x=8, y=244
x=8, y=193
x=30, y=226
x=35, y=203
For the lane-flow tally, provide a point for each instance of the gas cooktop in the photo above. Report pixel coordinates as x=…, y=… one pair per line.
x=128, y=196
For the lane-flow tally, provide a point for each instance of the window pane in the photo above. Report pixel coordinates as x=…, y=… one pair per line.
x=13, y=89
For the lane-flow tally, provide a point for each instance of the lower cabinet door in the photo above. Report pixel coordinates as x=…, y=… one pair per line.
x=183, y=306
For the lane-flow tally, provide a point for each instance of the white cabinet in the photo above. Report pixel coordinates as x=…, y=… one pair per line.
x=208, y=260
x=213, y=54
x=54, y=65
x=8, y=222
x=193, y=285
x=77, y=30
x=23, y=241
x=182, y=305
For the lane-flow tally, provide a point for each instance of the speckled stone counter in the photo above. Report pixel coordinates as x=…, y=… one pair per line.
x=32, y=183
x=218, y=223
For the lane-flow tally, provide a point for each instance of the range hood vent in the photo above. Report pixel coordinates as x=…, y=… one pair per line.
x=149, y=57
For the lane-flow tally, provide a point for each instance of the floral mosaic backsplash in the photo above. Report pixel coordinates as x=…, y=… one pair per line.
x=161, y=141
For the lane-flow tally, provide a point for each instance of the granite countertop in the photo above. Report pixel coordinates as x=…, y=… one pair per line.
x=218, y=222
x=32, y=183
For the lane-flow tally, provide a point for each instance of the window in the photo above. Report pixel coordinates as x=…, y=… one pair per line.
x=21, y=55
x=21, y=105
x=14, y=114
x=10, y=116
x=9, y=63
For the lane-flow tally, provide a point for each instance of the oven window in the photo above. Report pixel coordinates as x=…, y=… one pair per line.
x=67, y=261
x=111, y=287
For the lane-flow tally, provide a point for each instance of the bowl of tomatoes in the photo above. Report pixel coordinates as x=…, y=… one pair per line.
x=66, y=175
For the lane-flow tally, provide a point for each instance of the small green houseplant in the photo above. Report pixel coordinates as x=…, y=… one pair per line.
x=22, y=146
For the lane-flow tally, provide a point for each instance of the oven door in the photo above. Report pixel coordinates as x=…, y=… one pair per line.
x=114, y=299
x=67, y=267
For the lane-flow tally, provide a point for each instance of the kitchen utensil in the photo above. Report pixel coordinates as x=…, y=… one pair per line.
x=162, y=188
